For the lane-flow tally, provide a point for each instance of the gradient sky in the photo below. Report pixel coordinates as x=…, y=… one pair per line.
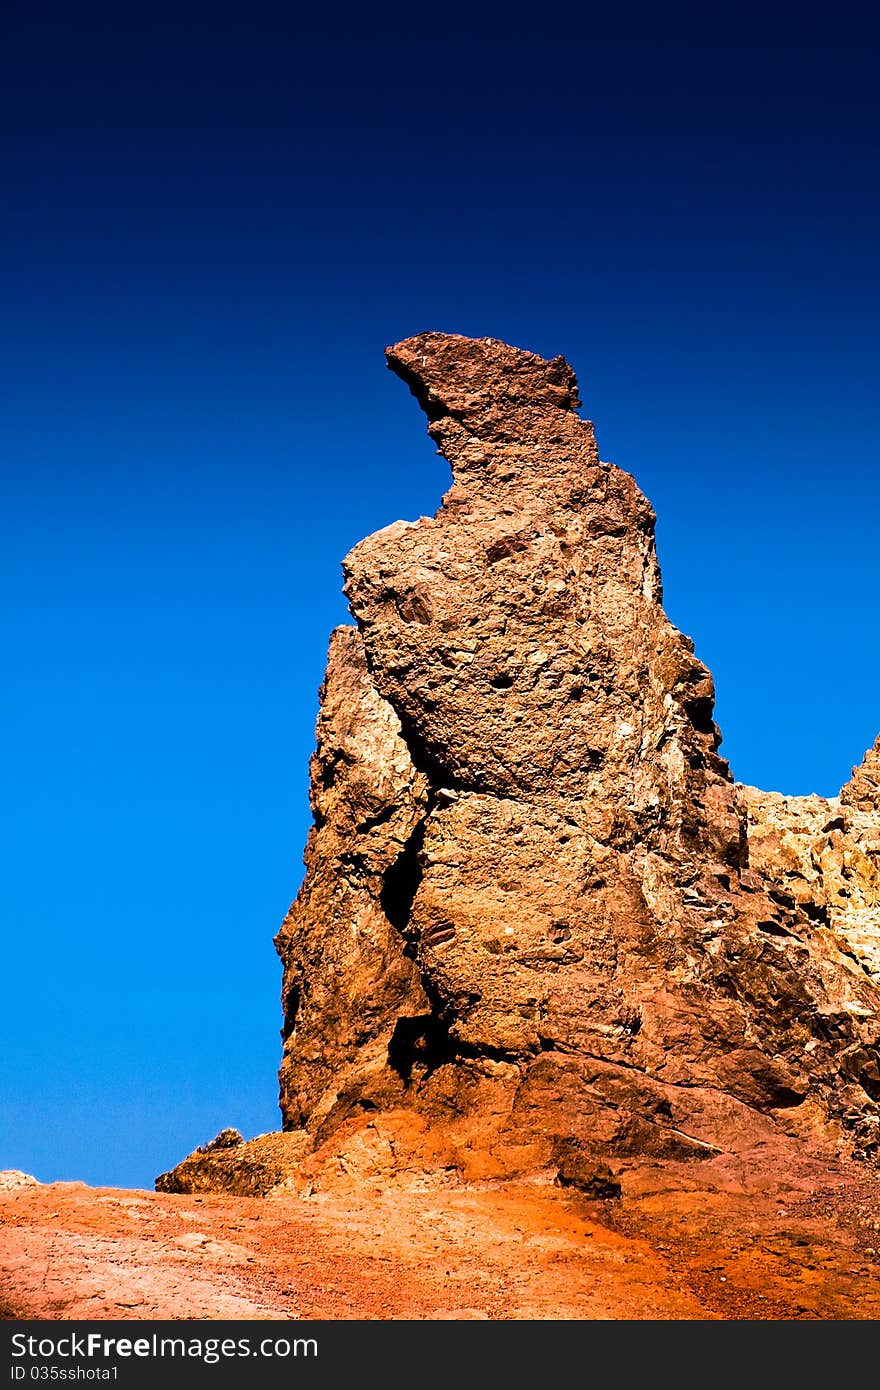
x=213, y=222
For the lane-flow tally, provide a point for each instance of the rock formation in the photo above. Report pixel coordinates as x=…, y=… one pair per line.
x=539, y=917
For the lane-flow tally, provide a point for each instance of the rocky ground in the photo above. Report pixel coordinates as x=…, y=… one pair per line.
x=804, y=1248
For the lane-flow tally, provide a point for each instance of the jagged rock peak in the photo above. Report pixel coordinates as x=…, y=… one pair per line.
x=468, y=377
x=505, y=419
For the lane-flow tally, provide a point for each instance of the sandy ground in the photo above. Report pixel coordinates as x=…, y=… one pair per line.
x=668, y=1250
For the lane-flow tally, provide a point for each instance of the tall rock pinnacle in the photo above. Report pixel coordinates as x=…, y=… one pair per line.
x=529, y=916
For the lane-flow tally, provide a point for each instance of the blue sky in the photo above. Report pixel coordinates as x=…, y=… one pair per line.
x=213, y=222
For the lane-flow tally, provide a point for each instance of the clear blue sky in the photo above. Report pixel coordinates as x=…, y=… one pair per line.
x=213, y=221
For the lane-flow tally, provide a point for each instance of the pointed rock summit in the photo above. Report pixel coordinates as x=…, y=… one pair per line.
x=528, y=899
x=539, y=917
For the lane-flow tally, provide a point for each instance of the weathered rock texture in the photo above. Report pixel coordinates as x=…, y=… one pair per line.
x=539, y=917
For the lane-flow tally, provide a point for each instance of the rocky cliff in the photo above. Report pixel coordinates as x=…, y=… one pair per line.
x=540, y=923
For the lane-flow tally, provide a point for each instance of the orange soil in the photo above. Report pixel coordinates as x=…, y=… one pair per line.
x=669, y=1250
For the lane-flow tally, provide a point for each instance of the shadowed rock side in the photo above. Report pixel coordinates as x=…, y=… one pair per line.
x=538, y=914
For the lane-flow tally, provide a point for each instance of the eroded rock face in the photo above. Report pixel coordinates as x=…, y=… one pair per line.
x=537, y=909
x=348, y=979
